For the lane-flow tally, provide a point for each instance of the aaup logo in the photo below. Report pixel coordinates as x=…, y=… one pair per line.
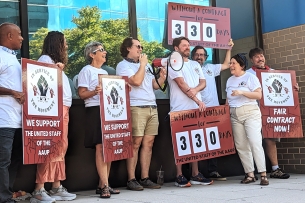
x=209, y=72
x=114, y=99
x=242, y=84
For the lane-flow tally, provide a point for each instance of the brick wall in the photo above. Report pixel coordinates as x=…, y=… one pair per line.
x=285, y=50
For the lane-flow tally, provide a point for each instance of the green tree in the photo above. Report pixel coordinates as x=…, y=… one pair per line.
x=90, y=27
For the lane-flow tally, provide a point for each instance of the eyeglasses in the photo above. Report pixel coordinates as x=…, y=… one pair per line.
x=100, y=49
x=201, y=55
x=138, y=46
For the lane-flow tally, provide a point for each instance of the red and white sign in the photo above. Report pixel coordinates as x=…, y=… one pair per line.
x=115, y=118
x=42, y=117
x=280, y=104
x=202, y=25
x=201, y=135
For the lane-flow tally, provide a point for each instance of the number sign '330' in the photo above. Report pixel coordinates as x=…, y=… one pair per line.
x=201, y=135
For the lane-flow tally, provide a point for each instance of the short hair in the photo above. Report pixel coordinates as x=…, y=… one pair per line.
x=255, y=51
x=89, y=48
x=54, y=47
x=127, y=43
x=177, y=41
x=241, y=59
x=196, y=48
x=3, y=29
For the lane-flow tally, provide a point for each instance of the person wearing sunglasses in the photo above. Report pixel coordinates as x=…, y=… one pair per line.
x=209, y=94
x=143, y=109
x=89, y=90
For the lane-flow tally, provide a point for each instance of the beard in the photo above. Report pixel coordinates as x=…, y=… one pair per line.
x=186, y=53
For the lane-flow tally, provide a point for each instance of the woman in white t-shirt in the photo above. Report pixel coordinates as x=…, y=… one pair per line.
x=243, y=90
x=54, y=51
x=89, y=90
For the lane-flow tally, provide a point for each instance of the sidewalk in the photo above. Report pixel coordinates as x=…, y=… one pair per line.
x=279, y=191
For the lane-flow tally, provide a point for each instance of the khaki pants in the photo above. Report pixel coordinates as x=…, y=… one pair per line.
x=246, y=125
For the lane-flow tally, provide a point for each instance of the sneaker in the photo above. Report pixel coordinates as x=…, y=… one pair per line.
x=216, y=176
x=181, y=181
x=147, y=183
x=134, y=185
x=200, y=180
x=41, y=196
x=279, y=173
x=61, y=194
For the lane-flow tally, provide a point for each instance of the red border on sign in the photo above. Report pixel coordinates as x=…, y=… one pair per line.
x=117, y=143
x=204, y=26
x=36, y=147
x=201, y=135
x=277, y=120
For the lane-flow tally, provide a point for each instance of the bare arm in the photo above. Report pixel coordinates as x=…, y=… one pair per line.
x=225, y=65
x=19, y=96
x=198, y=88
x=84, y=93
x=186, y=90
x=137, y=79
x=256, y=94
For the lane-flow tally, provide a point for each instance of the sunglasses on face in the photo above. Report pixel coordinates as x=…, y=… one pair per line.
x=100, y=49
x=139, y=46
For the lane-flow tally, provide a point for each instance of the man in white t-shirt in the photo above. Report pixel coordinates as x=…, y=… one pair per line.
x=143, y=109
x=258, y=60
x=185, y=86
x=209, y=94
x=11, y=100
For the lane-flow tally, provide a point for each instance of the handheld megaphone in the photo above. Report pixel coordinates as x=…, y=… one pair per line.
x=175, y=61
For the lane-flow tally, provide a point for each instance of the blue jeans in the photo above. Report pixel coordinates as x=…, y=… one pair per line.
x=10, y=160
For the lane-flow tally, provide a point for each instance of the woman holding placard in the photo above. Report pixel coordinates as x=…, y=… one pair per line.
x=54, y=51
x=89, y=89
x=243, y=90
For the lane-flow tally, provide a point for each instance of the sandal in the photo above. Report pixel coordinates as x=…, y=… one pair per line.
x=105, y=193
x=111, y=190
x=264, y=180
x=248, y=179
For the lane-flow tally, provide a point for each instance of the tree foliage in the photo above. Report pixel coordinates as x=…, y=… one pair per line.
x=90, y=27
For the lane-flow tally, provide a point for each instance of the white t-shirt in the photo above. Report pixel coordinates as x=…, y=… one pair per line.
x=247, y=82
x=10, y=78
x=88, y=77
x=139, y=95
x=191, y=73
x=209, y=94
x=67, y=94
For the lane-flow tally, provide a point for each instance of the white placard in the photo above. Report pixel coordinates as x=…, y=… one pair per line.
x=193, y=31
x=198, y=141
x=178, y=28
x=209, y=32
x=277, y=89
x=114, y=99
x=42, y=90
x=213, y=138
x=183, y=143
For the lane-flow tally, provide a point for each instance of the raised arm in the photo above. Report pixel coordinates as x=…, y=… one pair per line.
x=138, y=77
x=225, y=65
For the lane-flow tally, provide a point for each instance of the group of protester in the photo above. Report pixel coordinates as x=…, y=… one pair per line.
x=193, y=87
